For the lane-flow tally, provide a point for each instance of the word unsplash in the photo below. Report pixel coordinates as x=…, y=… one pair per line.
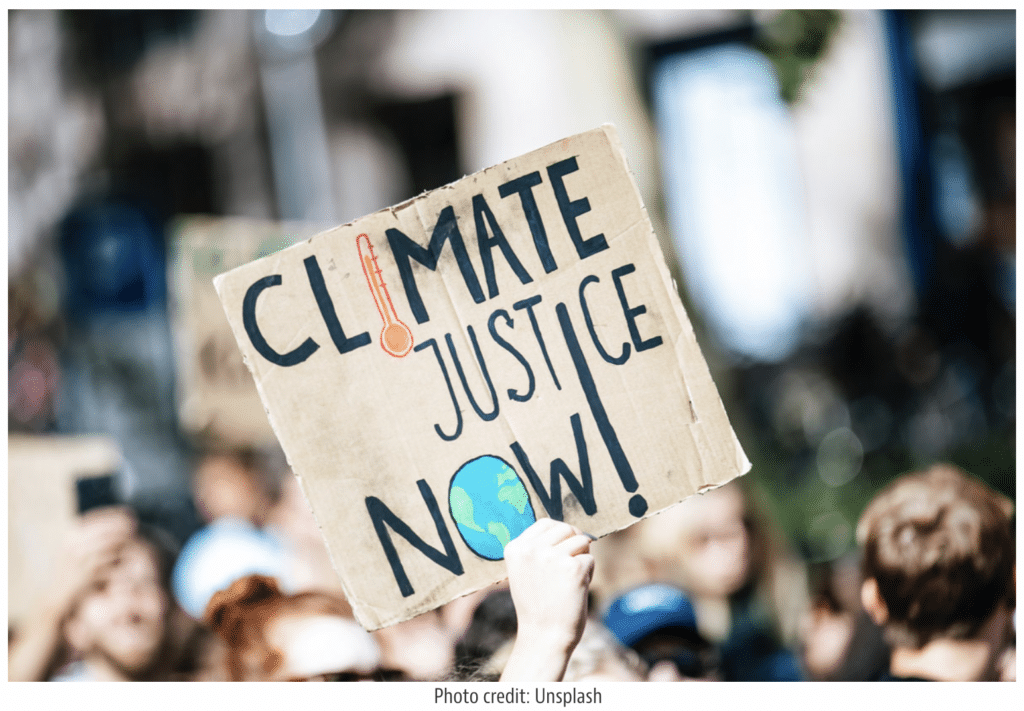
x=517, y=695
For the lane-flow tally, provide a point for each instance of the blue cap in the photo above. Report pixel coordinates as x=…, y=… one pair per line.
x=649, y=608
x=221, y=553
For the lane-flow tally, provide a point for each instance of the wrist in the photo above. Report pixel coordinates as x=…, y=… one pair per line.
x=553, y=637
x=537, y=658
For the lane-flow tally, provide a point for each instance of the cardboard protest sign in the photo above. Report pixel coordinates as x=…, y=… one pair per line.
x=443, y=372
x=216, y=394
x=42, y=504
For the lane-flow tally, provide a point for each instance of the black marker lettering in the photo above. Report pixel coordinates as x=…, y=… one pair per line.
x=582, y=488
x=483, y=217
x=637, y=504
x=513, y=394
x=383, y=517
x=404, y=250
x=524, y=188
x=622, y=357
x=486, y=416
x=631, y=314
x=252, y=329
x=451, y=391
x=571, y=209
x=528, y=304
x=326, y=306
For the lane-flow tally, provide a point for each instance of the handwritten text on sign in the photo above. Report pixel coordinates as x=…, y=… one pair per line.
x=486, y=343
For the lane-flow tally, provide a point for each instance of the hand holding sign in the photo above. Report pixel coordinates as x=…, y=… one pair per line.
x=549, y=571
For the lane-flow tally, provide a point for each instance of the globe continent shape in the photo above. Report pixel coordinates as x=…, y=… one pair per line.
x=490, y=505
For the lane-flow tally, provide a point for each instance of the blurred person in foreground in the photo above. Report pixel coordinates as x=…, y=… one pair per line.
x=484, y=650
x=938, y=557
x=659, y=623
x=234, y=491
x=108, y=615
x=260, y=523
x=838, y=639
x=273, y=636
x=421, y=648
x=747, y=591
x=530, y=632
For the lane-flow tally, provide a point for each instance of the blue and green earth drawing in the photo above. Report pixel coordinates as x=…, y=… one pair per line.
x=490, y=505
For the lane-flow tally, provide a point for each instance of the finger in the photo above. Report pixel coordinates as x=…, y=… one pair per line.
x=541, y=526
x=105, y=535
x=574, y=545
x=108, y=515
x=106, y=544
x=96, y=562
x=586, y=561
x=557, y=533
x=542, y=532
x=105, y=526
x=524, y=538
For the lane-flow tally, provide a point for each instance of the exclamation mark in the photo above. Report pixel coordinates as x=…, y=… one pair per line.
x=637, y=503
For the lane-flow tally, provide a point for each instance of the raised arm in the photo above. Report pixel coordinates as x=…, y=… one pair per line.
x=89, y=551
x=549, y=571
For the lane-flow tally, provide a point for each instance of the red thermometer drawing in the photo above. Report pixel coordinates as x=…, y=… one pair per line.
x=395, y=337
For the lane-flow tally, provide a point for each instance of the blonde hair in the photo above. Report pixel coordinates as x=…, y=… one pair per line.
x=778, y=578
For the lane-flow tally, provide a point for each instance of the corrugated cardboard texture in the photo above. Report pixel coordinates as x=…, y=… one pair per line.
x=556, y=243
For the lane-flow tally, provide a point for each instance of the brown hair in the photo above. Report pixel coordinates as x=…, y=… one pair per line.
x=241, y=613
x=939, y=545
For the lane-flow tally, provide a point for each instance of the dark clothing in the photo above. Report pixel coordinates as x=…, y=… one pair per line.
x=752, y=654
x=752, y=651
x=889, y=676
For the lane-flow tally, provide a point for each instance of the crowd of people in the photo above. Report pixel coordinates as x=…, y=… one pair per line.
x=705, y=590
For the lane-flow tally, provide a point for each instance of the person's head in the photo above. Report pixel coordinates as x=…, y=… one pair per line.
x=271, y=636
x=838, y=639
x=234, y=483
x=483, y=652
x=122, y=622
x=704, y=543
x=938, y=553
x=723, y=548
x=659, y=623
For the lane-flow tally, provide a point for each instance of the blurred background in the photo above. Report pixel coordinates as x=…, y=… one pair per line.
x=834, y=192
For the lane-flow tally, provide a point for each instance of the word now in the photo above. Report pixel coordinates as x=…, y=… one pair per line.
x=385, y=520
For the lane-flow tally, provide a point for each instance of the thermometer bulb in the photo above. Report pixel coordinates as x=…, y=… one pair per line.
x=395, y=336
